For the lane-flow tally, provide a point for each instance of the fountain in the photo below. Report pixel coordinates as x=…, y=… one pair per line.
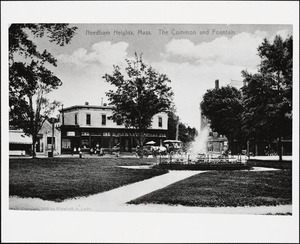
x=208, y=151
x=205, y=153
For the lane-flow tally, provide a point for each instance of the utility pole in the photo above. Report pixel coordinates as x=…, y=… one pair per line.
x=52, y=141
x=62, y=114
x=52, y=121
x=177, y=129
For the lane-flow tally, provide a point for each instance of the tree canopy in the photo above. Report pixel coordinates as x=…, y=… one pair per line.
x=138, y=96
x=268, y=94
x=30, y=79
x=223, y=107
x=262, y=110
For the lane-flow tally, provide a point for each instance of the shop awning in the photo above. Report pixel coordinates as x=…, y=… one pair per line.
x=19, y=137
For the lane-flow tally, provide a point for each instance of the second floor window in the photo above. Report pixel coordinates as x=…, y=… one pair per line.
x=76, y=119
x=159, y=121
x=103, y=119
x=88, y=119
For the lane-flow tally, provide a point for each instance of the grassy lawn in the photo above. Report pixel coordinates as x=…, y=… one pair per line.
x=58, y=179
x=226, y=188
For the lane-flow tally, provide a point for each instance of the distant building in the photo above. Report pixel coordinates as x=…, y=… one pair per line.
x=216, y=143
x=21, y=144
x=88, y=127
x=44, y=143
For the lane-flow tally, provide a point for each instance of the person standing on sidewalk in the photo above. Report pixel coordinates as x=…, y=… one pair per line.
x=79, y=152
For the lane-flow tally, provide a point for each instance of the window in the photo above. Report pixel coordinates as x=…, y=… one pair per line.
x=85, y=142
x=103, y=119
x=159, y=121
x=88, y=119
x=66, y=143
x=76, y=122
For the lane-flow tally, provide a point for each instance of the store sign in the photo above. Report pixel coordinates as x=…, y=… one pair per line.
x=70, y=133
x=133, y=134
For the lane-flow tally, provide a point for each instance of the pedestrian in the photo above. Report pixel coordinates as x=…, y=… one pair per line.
x=74, y=151
x=79, y=152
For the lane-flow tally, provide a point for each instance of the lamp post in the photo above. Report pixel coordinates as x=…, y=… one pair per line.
x=52, y=121
x=62, y=115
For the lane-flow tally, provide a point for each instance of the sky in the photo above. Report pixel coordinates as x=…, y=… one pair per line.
x=192, y=56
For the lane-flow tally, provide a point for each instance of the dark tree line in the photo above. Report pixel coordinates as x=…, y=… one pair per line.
x=262, y=109
x=185, y=133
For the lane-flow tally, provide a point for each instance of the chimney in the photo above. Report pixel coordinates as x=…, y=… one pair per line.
x=86, y=103
x=217, y=84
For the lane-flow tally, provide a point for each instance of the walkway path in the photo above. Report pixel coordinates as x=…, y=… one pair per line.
x=115, y=200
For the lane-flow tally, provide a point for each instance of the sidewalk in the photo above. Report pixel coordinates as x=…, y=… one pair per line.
x=87, y=155
x=113, y=200
x=271, y=157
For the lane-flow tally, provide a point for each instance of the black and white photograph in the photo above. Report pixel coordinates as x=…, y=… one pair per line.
x=190, y=119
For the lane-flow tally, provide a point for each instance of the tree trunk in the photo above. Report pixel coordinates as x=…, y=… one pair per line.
x=32, y=127
x=140, y=142
x=256, y=148
x=280, y=148
x=279, y=139
x=231, y=146
x=34, y=140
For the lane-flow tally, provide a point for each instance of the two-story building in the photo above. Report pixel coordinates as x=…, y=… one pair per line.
x=44, y=142
x=88, y=126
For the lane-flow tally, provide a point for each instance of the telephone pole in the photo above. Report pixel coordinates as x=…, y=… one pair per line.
x=177, y=129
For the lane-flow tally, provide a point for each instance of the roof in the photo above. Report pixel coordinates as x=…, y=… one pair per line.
x=19, y=137
x=216, y=139
x=76, y=107
x=171, y=141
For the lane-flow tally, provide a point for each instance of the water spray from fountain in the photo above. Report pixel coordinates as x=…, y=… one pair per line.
x=199, y=145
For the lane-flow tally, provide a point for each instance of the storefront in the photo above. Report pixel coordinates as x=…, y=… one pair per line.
x=105, y=138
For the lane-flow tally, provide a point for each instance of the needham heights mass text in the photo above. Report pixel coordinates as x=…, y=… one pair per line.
x=162, y=32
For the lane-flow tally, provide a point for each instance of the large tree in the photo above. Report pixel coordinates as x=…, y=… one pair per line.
x=223, y=107
x=268, y=94
x=30, y=78
x=138, y=96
